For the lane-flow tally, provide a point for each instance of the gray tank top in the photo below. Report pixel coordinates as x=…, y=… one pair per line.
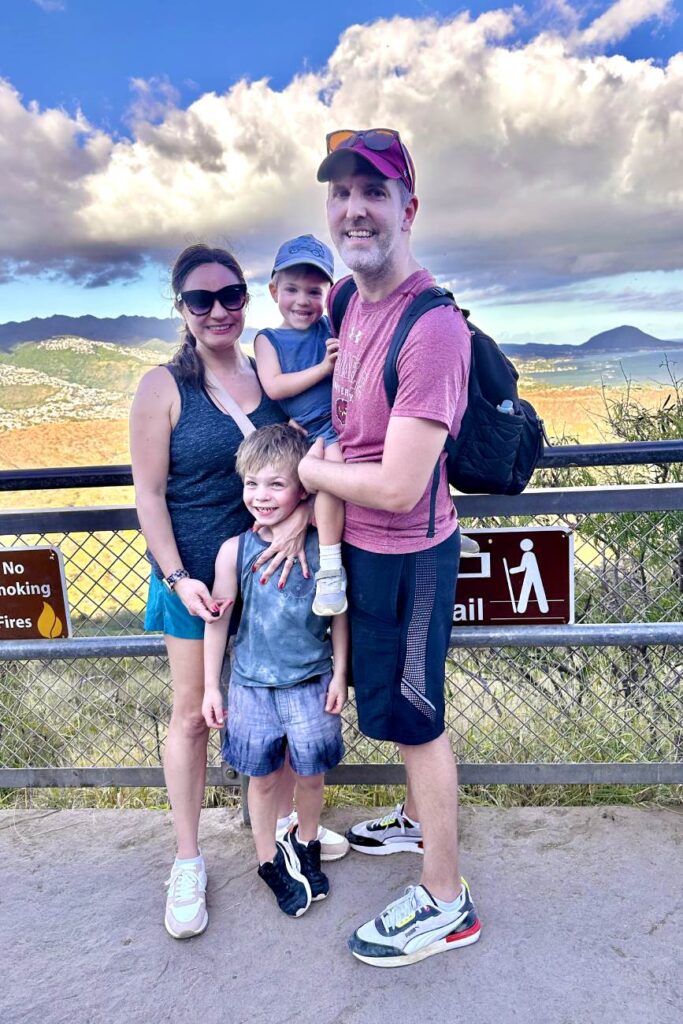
x=204, y=492
x=280, y=642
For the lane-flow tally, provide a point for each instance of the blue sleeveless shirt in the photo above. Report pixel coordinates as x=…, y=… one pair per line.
x=280, y=642
x=299, y=350
x=204, y=492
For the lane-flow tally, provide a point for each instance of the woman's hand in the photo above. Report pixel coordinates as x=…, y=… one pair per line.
x=315, y=455
x=287, y=545
x=198, y=601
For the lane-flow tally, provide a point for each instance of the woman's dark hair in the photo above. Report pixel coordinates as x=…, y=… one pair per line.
x=186, y=360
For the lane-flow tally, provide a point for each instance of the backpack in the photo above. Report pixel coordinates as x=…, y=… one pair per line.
x=495, y=452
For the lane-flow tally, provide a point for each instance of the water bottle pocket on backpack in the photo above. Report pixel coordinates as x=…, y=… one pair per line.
x=482, y=459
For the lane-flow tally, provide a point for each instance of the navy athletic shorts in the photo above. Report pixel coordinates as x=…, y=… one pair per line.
x=401, y=614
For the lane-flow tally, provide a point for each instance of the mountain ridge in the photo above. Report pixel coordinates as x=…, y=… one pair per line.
x=133, y=331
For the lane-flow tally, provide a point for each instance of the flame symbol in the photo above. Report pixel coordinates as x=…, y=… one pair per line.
x=48, y=624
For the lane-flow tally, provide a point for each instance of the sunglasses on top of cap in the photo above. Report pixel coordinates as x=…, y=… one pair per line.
x=376, y=139
x=199, y=301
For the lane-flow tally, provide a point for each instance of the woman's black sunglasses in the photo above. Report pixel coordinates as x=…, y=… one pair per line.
x=199, y=301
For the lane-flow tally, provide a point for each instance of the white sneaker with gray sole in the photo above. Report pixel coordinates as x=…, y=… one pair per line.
x=186, y=901
x=330, y=592
x=332, y=845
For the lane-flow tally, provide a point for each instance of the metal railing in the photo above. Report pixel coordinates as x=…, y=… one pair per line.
x=598, y=701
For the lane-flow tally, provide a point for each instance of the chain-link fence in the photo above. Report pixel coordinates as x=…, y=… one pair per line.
x=550, y=704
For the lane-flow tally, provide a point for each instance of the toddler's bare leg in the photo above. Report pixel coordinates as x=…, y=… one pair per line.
x=329, y=511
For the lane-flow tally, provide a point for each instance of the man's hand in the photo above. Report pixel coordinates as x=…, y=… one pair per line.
x=336, y=694
x=307, y=466
x=212, y=708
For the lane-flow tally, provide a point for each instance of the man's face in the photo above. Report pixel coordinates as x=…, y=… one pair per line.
x=367, y=221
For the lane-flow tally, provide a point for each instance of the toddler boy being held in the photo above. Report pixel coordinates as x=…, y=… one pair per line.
x=285, y=691
x=295, y=362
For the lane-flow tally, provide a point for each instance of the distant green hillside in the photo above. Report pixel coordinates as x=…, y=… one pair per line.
x=91, y=364
x=71, y=379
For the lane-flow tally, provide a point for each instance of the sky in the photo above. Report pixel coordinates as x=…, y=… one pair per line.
x=547, y=136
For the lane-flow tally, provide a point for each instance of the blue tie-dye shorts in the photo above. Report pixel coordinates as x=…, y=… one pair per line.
x=263, y=721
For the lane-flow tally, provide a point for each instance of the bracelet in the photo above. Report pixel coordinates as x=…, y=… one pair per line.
x=170, y=581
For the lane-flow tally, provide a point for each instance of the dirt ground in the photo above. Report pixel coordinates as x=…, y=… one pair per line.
x=580, y=910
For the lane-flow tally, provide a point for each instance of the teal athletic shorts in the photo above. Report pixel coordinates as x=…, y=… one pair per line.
x=166, y=613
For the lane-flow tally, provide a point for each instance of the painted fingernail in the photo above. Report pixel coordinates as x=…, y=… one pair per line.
x=263, y=580
x=280, y=586
x=253, y=568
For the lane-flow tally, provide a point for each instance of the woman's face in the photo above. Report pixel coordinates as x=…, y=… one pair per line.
x=219, y=329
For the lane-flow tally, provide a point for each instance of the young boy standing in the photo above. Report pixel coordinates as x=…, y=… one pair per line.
x=285, y=692
x=295, y=363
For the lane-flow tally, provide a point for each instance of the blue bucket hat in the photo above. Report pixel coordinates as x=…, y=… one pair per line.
x=305, y=249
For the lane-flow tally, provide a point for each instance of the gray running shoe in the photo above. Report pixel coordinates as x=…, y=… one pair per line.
x=393, y=833
x=186, y=901
x=414, y=927
x=330, y=592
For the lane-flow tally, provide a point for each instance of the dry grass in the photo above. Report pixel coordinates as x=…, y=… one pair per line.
x=580, y=412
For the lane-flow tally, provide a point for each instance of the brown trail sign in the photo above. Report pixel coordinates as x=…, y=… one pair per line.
x=521, y=576
x=33, y=600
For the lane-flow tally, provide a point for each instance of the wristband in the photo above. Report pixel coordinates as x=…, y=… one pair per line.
x=170, y=581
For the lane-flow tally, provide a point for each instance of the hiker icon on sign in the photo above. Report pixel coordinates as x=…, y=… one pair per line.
x=531, y=580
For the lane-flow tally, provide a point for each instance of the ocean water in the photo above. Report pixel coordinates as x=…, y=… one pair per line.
x=611, y=371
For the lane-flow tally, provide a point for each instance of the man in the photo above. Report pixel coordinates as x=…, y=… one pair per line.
x=401, y=538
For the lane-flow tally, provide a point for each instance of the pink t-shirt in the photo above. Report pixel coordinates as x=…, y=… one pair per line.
x=433, y=368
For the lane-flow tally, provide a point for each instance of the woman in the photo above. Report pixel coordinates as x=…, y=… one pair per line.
x=189, y=498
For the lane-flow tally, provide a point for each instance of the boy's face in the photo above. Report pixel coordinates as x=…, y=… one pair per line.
x=271, y=494
x=300, y=297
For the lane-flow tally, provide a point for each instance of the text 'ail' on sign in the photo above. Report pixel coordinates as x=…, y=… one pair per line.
x=521, y=576
x=33, y=601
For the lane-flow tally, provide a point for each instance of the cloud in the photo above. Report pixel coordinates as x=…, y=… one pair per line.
x=50, y=5
x=540, y=162
x=622, y=17
x=154, y=98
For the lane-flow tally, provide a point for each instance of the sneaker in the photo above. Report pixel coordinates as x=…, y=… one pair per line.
x=332, y=845
x=413, y=928
x=283, y=875
x=186, y=901
x=309, y=859
x=330, y=592
x=468, y=545
x=393, y=833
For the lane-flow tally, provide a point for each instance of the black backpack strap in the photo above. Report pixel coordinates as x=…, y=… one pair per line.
x=429, y=299
x=421, y=304
x=340, y=303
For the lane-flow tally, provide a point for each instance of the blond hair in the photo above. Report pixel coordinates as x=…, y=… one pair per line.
x=280, y=446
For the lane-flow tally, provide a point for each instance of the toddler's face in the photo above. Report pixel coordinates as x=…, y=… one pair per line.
x=300, y=297
x=271, y=494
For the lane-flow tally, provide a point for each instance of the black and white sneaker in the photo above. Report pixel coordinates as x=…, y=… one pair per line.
x=309, y=859
x=414, y=927
x=284, y=876
x=394, y=833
